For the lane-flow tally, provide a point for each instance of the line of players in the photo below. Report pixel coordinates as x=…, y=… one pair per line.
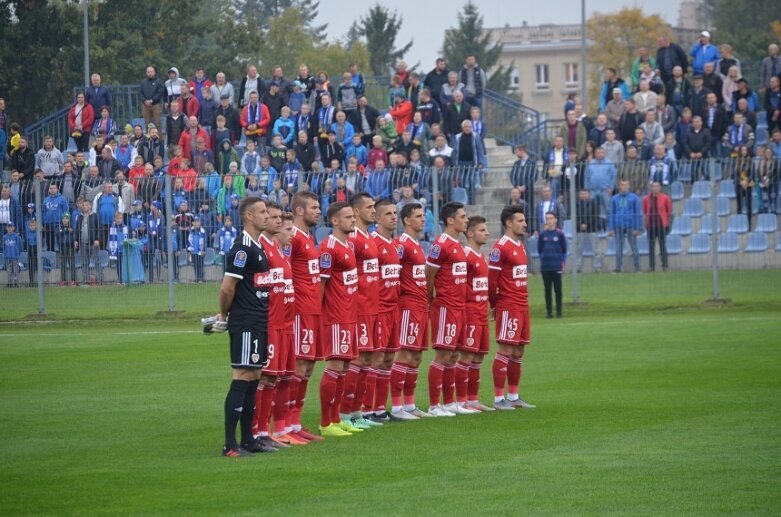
x=363, y=303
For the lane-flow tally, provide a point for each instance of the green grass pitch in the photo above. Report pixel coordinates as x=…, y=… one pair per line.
x=647, y=404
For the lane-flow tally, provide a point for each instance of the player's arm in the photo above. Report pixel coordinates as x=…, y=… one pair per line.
x=227, y=292
x=431, y=272
x=325, y=272
x=235, y=263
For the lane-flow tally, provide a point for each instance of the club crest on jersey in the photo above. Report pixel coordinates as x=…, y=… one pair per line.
x=344, y=348
x=325, y=260
x=351, y=245
x=435, y=251
x=410, y=340
x=305, y=349
x=470, y=341
x=495, y=254
x=364, y=340
x=400, y=251
x=240, y=259
x=287, y=250
x=255, y=358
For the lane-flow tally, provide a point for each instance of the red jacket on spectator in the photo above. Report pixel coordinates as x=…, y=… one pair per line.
x=402, y=114
x=87, y=118
x=192, y=108
x=663, y=204
x=376, y=154
x=135, y=174
x=189, y=177
x=265, y=119
x=187, y=142
x=199, y=87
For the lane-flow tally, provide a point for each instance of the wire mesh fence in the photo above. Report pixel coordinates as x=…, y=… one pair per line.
x=153, y=240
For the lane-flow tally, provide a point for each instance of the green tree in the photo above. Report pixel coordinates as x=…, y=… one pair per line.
x=747, y=26
x=257, y=14
x=469, y=38
x=380, y=27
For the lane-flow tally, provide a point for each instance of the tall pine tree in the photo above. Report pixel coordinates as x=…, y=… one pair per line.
x=469, y=38
x=380, y=28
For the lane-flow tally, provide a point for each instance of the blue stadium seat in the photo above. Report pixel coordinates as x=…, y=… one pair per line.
x=49, y=260
x=778, y=242
x=762, y=136
x=727, y=189
x=767, y=223
x=2, y=262
x=693, y=207
x=674, y=244
x=738, y=223
x=706, y=225
x=701, y=190
x=728, y=243
x=138, y=122
x=684, y=172
x=700, y=244
x=676, y=191
x=23, y=259
x=321, y=232
x=182, y=259
x=567, y=228
x=531, y=247
x=588, y=251
x=426, y=247
x=722, y=206
x=642, y=244
x=460, y=195
x=103, y=259
x=611, y=247
x=208, y=258
x=682, y=225
x=71, y=147
x=715, y=170
x=762, y=119
x=757, y=242
x=77, y=261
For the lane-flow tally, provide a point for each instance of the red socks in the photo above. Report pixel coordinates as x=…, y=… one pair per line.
x=410, y=383
x=398, y=374
x=500, y=374
x=360, y=388
x=281, y=405
x=327, y=395
x=473, y=382
x=338, y=397
x=436, y=374
x=294, y=413
x=348, y=395
x=368, y=393
x=513, y=375
x=462, y=381
x=449, y=385
x=381, y=390
x=264, y=401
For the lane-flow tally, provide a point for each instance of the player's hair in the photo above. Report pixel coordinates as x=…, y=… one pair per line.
x=287, y=216
x=272, y=204
x=474, y=221
x=247, y=203
x=449, y=210
x=406, y=211
x=357, y=199
x=300, y=198
x=553, y=214
x=382, y=203
x=335, y=208
x=508, y=212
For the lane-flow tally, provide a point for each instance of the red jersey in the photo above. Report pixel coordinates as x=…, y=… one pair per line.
x=413, y=292
x=507, y=277
x=305, y=262
x=337, y=265
x=276, y=283
x=476, y=287
x=390, y=271
x=447, y=255
x=290, y=293
x=367, y=259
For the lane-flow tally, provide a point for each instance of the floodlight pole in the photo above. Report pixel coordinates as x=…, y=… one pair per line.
x=86, y=43
x=583, y=86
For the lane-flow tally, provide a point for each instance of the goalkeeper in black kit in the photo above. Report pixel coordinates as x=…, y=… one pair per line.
x=244, y=305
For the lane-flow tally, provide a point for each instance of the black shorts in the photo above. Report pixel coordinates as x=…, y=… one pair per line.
x=248, y=349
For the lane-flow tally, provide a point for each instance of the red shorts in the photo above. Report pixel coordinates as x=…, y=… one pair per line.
x=512, y=327
x=290, y=367
x=306, y=337
x=446, y=327
x=278, y=352
x=367, y=333
x=474, y=338
x=338, y=341
x=413, y=327
x=387, y=336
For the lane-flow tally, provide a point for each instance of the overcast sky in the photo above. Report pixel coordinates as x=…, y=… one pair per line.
x=425, y=21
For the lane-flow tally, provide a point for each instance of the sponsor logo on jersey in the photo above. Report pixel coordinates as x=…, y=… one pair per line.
x=325, y=261
x=480, y=284
x=496, y=253
x=519, y=271
x=459, y=269
x=419, y=272
x=391, y=271
x=240, y=259
x=276, y=275
x=314, y=266
x=371, y=266
x=350, y=277
x=262, y=279
x=435, y=251
x=289, y=289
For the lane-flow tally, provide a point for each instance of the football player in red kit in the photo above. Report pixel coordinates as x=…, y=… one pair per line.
x=446, y=281
x=508, y=294
x=473, y=345
x=339, y=282
x=367, y=260
x=305, y=262
x=413, y=316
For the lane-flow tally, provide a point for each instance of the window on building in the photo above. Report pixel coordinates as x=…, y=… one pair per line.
x=543, y=82
x=515, y=79
x=571, y=78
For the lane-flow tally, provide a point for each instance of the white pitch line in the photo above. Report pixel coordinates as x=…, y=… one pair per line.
x=653, y=322
x=81, y=331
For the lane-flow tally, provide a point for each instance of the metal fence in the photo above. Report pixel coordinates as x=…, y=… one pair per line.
x=156, y=242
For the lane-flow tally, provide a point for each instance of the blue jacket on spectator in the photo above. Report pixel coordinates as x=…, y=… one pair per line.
x=12, y=246
x=123, y=156
x=226, y=238
x=54, y=207
x=296, y=101
x=97, y=97
x=197, y=241
x=286, y=128
x=600, y=175
x=703, y=54
x=108, y=205
x=552, y=248
x=605, y=95
x=626, y=212
x=349, y=131
x=266, y=177
x=360, y=152
x=30, y=237
x=290, y=172
x=213, y=184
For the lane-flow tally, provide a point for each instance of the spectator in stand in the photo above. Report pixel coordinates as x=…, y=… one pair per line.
x=80, y=119
x=402, y=112
x=105, y=126
x=588, y=224
x=574, y=134
x=226, y=237
x=647, y=74
x=598, y=133
x=665, y=114
x=413, y=89
x=200, y=84
x=548, y=204
x=87, y=241
x=66, y=239
x=225, y=156
x=660, y=167
x=92, y=185
x=441, y=149
x=643, y=56
x=653, y=129
x=190, y=104
x=152, y=93
x=429, y=108
x=344, y=130
x=615, y=108
x=222, y=87
x=773, y=104
x=330, y=149
x=250, y=162
x=713, y=81
x=201, y=155
x=325, y=114
x=255, y=119
x=745, y=183
x=645, y=99
x=305, y=151
x=364, y=118
x=698, y=95
x=55, y=206
x=96, y=94
x=474, y=80
x=377, y=181
x=285, y=127
x=643, y=143
x=470, y=154
x=250, y=83
x=283, y=84
x=347, y=94
x=12, y=249
x=455, y=114
x=770, y=67
x=450, y=88
x=105, y=205
x=558, y=156
x=175, y=124
x=612, y=82
x=768, y=174
x=357, y=79
x=552, y=249
x=357, y=150
x=727, y=60
x=668, y=56
x=386, y=130
x=3, y=118
x=625, y=222
x=600, y=180
x=657, y=214
x=697, y=143
x=125, y=192
x=738, y=135
x=614, y=150
x=274, y=101
x=306, y=79
x=196, y=245
x=437, y=78
x=174, y=86
x=729, y=88
x=421, y=132
x=703, y=52
x=678, y=90
x=716, y=120
x=745, y=93
x=49, y=159
x=124, y=153
x=152, y=145
x=230, y=123
x=148, y=189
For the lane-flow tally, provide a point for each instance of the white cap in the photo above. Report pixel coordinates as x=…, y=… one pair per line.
x=706, y=34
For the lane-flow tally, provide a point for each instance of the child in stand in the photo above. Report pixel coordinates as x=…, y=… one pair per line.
x=227, y=235
x=197, y=248
x=12, y=248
